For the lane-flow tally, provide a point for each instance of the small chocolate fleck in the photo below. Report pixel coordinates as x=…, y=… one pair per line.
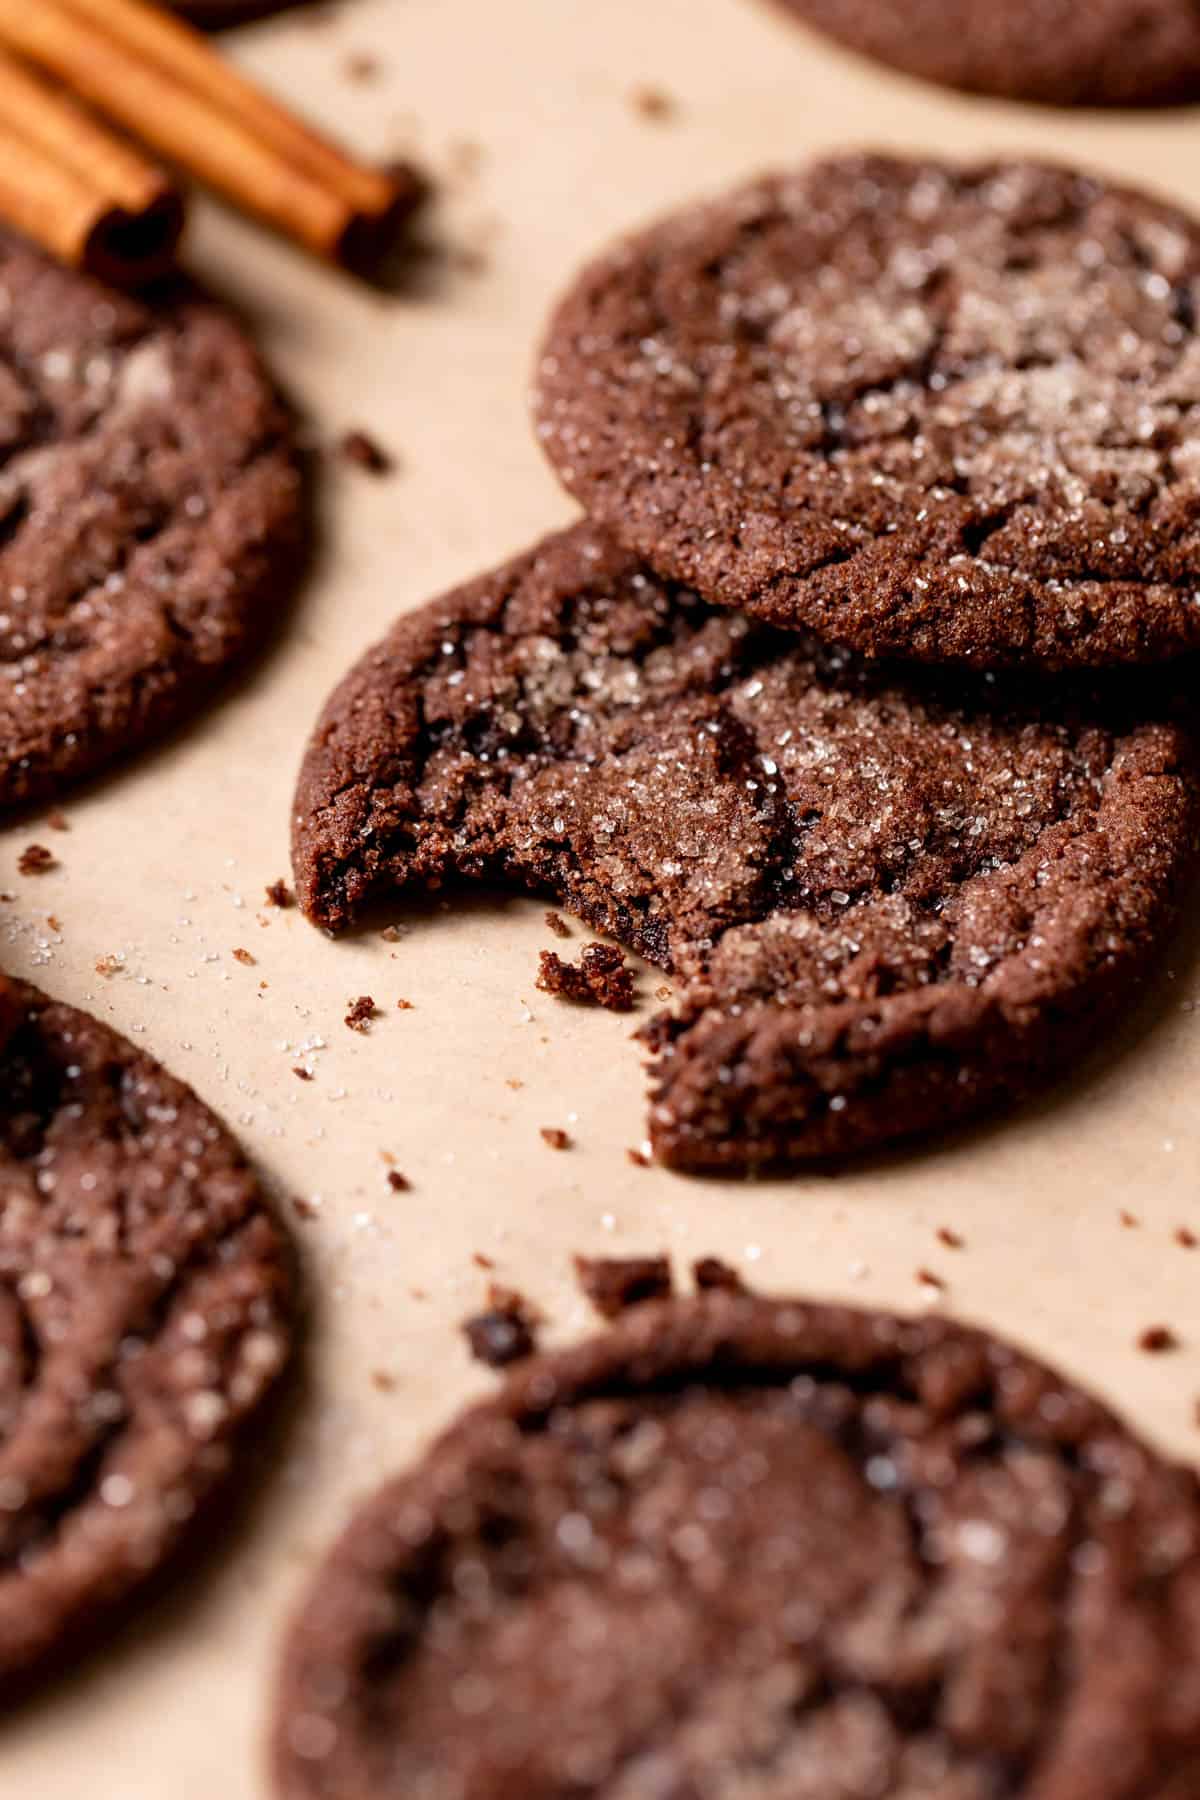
x=280, y=894
x=366, y=452
x=108, y=966
x=302, y=1072
x=304, y=1209
x=557, y=924
x=927, y=1278
x=56, y=820
x=1129, y=1220
x=652, y=103
x=383, y=1381
x=601, y=977
x=404, y=1006
x=481, y=1261
x=613, y=1283
x=1186, y=1239
x=638, y=1158
x=244, y=956
x=1158, y=1338
x=556, y=1137
x=35, y=859
x=361, y=65
x=399, y=1184
x=711, y=1272
x=950, y=1238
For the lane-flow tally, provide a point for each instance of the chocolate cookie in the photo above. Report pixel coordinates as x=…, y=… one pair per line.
x=888, y=905
x=1104, y=53
x=143, y=1316
x=763, y=1549
x=950, y=414
x=150, y=515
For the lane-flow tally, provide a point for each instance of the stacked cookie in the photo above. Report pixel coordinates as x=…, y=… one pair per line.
x=862, y=702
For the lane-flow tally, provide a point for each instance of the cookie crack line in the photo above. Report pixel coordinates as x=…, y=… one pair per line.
x=892, y=902
x=809, y=400
x=794, y=1547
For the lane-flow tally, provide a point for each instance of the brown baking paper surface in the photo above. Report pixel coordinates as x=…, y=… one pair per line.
x=525, y=114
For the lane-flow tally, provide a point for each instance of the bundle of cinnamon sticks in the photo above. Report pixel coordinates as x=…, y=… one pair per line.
x=96, y=201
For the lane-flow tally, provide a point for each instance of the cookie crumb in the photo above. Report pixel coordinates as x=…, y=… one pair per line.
x=108, y=966
x=360, y=1013
x=1129, y=1220
x=304, y=1209
x=557, y=924
x=1186, y=1239
x=950, y=1238
x=601, y=977
x=481, y=1261
x=383, y=1381
x=303, y=1073
x=556, y=1137
x=505, y=1332
x=638, y=1158
x=361, y=66
x=652, y=103
x=244, y=956
x=365, y=452
x=1156, y=1339
x=56, y=820
x=613, y=1283
x=399, y=1184
x=35, y=859
x=929, y=1279
x=404, y=1006
x=280, y=894
x=710, y=1272
x=391, y=934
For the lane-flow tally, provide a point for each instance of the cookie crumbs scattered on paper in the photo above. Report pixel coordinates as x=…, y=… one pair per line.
x=365, y=452
x=1156, y=1339
x=280, y=894
x=35, y=859
x=360, y=1012
x=614, y=1283
x=557, y=924
x=601, y=977
x=244, y=956
x=556, y=1137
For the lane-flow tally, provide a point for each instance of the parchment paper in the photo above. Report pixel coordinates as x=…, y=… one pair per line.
x=524, y=112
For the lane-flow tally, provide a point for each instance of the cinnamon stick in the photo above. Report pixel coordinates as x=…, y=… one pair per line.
x=157, y=78
x=81, y=193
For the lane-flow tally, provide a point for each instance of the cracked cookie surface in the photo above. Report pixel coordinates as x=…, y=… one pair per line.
x=889, y=906
x=144, y=1307
x=746, y=1549
x=943, y=413
x=150, y=515
x=1107, y=53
